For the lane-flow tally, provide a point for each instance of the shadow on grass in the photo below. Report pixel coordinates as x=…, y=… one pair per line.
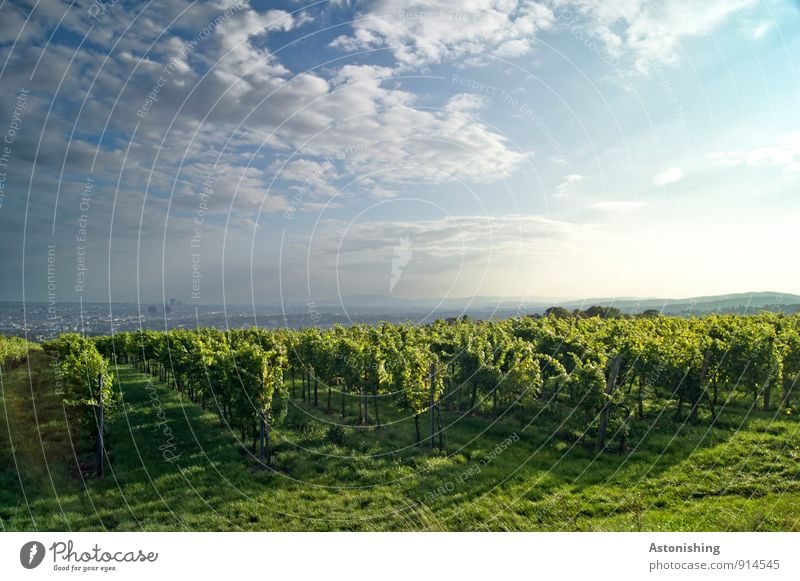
x=171, y=466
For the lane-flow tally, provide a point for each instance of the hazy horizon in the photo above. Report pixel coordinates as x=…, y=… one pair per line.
x=482, y=300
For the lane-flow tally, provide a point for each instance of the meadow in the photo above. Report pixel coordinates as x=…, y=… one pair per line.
x=173, y=466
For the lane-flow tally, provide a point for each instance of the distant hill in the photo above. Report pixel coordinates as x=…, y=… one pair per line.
x=740, y=303
x=34, y=320
x=727, y=303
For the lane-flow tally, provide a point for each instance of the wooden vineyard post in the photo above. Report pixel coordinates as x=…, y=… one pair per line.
x=460, y=389
x=767, y=393
x=375, y=404
x=267, y=444
x=788, y=386
x=316, y=387
x=432, y=376
x=99, y=416
x=262, y=432
x=610, y=386
x=442, y=441
x=700, y=391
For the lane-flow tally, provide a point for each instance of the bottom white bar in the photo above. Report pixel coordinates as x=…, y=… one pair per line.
x=389, y=556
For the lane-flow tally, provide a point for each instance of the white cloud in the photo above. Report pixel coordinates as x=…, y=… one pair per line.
x=229, y=96
x=567, y=185
x=464, y=102
x=450, y=255
x=669, y=176
x=235, y=186
x=301, y=169
x=447, y=237
x=785, y=154
x=650, y=32
x=382, y=193
x=377, y=131
x=761, y=29
x=235, y=53
x=618, y=205
x=29, y=21
x=12, y=24
x=422, y=33
x=314, y=179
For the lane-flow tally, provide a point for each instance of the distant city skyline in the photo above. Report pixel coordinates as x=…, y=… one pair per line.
x=281, y=151
x=40, y=321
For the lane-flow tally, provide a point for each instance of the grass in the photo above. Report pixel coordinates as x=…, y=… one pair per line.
x=740, y=474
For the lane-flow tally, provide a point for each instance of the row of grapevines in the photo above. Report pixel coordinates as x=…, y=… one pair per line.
x=600, y=374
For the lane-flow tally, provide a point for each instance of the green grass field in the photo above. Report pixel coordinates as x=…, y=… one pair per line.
x=741, y=474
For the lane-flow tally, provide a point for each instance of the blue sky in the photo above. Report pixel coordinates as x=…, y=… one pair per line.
x=285, y=150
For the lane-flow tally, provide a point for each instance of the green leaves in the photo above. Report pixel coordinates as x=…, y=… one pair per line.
x=518, y=365
x=83, y=376
x=82, y=370
x=13, y=350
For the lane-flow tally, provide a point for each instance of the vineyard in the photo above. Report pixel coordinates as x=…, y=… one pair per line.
x=588, y=387
x=13, y=351
x=600, y=375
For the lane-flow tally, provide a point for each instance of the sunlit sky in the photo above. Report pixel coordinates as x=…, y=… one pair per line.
x=268, y=151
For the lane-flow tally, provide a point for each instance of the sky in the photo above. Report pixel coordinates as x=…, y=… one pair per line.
x=268, y=152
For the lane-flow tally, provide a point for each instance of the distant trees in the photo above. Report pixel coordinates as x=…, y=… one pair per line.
x=593, y=311
x=602, y=312
x=558, y=312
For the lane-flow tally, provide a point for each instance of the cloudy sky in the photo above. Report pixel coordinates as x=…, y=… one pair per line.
x=265, y=151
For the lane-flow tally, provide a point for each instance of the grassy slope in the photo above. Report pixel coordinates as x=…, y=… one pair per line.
x=742, y=475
